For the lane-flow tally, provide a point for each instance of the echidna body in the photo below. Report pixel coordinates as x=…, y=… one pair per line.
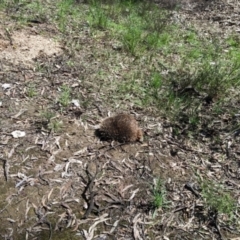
x=122, y=127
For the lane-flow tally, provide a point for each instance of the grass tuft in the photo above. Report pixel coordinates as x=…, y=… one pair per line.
x=218, y=199
x=31, y=91
x=64, y=98
x=159, y=195
x=98, y=18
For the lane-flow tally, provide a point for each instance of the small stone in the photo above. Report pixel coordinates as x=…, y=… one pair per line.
x=18, y=134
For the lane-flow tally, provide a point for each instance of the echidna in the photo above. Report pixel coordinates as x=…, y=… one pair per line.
x=122, y=128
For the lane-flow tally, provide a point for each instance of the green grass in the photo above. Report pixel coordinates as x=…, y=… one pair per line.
x=206, y=73
x=68, y=16
x=131, y=39
x=98, y=17
x=47, y=115
x=64, y=98
x=50, y=121
x=218, y=199
x=55, y=125
x=159, y=198
x=31, y=90
x=30, y=11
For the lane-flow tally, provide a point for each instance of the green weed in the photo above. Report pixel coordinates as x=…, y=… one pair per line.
x=131, y=40
x=26, y=11
x=31, y=91
x=64, y=12
x=48, y=115
x=210, y=79
x=98, y=18
x=55, y=125
x=156, y=21
x=64, y=98
x=151, y=40
x=216, y=78
x=233, y=41
x=193, y=117
x=50, y=122
x=217, y=198
x=159, y=198
x=37, y=11
x=218, y=108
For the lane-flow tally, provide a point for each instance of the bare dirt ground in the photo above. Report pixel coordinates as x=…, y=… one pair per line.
x=23, y=46
x=70, y=185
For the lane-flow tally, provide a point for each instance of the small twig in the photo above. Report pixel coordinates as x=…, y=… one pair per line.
x=185, y=148
x=89, y=187
x=111, y=147
x=50, y=228
x=43, y=220
x=41, y=178
x=99, y=109
x=180, y=209
x=189, y=186
x=90, y=205
x=6, y=167
x=213, y=214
